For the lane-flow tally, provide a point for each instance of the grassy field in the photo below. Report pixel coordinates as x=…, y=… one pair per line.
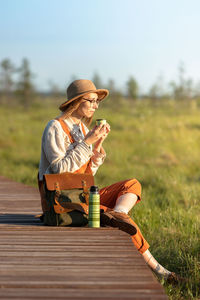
x=157, y=144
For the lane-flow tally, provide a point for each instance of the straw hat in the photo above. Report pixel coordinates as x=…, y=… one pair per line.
x=81, y=87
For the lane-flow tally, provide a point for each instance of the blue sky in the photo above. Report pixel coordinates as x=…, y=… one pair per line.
x=115, y=38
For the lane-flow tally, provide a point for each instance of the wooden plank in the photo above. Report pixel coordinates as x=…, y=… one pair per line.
x=43, y=262
x=77, y=294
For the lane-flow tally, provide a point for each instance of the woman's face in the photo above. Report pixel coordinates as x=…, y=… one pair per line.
x=88, y=105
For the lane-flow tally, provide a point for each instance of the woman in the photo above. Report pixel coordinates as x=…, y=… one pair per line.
x=67, y=147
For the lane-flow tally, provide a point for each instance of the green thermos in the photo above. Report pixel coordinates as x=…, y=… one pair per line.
x=94, y=207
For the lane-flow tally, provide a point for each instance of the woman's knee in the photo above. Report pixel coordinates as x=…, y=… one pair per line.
x=133, y=182
x=133, y=186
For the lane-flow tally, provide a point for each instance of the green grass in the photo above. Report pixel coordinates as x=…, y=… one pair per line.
x=157, y=144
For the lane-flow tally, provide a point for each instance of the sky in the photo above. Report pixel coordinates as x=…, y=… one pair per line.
x=65, y=39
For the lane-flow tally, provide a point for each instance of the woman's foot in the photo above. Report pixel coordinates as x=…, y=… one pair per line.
x=175, y=279
x=118, y=220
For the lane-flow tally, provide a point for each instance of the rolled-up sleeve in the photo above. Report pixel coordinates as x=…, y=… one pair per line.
x=60, y=153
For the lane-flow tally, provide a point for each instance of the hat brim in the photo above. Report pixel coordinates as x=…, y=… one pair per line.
x=102, y=93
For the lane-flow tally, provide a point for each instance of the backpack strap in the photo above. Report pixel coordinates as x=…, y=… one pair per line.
x=83, y=129
x=67, y=131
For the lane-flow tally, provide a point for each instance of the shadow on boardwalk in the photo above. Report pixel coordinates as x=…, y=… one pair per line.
x=20, y=219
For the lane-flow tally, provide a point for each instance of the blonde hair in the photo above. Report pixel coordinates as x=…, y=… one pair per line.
x=73, y=106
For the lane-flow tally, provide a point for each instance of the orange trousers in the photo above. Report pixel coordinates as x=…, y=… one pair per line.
x=108, y=198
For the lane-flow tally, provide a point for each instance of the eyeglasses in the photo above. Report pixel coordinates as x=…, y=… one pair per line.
x=92, y=102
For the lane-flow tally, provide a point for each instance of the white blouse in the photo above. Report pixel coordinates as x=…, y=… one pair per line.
x=59, y=155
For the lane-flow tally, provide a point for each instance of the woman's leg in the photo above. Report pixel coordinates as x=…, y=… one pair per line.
x=121, y=197
x=125, y=203
x=111, y=195
x=154, y=265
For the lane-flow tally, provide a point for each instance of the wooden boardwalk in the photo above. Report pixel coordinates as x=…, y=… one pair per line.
x=41, y=262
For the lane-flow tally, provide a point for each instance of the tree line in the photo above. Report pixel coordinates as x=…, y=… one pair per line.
x=23, y=87
x=18, y=82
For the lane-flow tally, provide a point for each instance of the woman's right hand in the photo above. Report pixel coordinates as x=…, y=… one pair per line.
x=95, y=134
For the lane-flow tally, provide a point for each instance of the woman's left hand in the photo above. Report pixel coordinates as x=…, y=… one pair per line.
x=99, y=143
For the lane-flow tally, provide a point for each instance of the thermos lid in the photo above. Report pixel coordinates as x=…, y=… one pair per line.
x=94, y=189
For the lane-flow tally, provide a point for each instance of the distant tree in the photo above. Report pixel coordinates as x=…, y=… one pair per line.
x=97, y=81
x=197, y=90
x=157, y=90
x=132, y=88
x=54, y=89
x=25, y=87
x=154, y=92
x=6, y=73
x=111, y=87
x=113, y=91
x=189, y=88
x=183, y=89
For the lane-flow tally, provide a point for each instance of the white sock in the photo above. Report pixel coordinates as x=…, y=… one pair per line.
x=154, y=265
x=125, y=202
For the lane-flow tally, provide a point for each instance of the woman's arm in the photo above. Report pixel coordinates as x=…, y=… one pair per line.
x=99, y=153
x=96, y=161
x=60, y=153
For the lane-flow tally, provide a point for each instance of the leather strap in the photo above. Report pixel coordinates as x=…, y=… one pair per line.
x=67, y=131
x=67, y=206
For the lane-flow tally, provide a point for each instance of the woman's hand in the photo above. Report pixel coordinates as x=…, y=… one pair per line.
x=98, y=145
x=97, y=134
